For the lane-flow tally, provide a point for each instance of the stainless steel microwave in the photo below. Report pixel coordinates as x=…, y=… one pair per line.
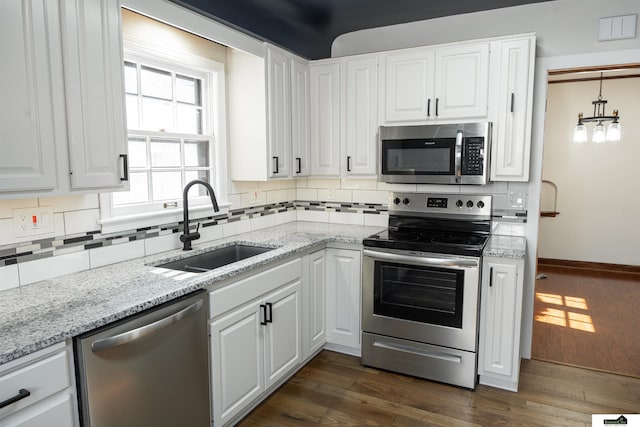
x=435, y=154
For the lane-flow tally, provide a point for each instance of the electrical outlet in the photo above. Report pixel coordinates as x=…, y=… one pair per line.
x=33, y=221
x=517, y=200
x=254, y=197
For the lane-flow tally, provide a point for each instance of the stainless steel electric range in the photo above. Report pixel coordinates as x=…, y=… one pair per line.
x=421, y=287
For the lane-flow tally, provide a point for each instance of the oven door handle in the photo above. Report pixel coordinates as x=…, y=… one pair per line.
x=420, y=260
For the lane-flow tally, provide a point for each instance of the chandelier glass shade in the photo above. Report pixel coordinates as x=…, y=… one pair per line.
x=599, y=135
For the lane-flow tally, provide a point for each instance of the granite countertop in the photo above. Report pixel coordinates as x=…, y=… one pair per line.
x=506, y=241
x=36, y=316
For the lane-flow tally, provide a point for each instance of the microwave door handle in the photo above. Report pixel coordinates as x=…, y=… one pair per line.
x=458, y=156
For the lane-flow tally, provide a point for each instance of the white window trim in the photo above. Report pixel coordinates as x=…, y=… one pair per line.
x=218, y=125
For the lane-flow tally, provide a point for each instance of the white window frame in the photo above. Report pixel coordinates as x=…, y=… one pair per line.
x=215, y=123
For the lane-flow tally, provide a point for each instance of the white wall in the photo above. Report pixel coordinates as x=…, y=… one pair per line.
x=598, y=183
x=563, y=27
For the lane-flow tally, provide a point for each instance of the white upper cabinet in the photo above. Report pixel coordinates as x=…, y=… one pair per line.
x=325, y=118
x=408, y=86
x=300, y=135
x=462, y=81
x=360, y=117
x=30, y=85
x=436, y=84
x=268, y=115
x=94, y=86
x=511, y=145
x=63, y=119
x=279, y=113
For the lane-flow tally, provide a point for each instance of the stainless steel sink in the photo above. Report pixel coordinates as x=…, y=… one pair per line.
x=215, y=258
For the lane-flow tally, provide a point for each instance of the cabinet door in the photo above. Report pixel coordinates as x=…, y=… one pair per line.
x=499, y=347
x=283, y=334
x=461, y=81
x=94, y=87
x=279, y=96
x=315, y=309
x=325, y=119
x=57, y=412
x=510, y=149
x=29, y=46
x=361, y=116
x=343, y=297
x=409, y=86
x=237, y=357
x=300, y=138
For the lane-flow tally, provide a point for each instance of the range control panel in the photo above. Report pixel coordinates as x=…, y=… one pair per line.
x=428, y=204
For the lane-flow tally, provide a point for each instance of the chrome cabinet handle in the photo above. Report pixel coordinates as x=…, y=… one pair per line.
x=135, y=334
x=427, y=261
x=22, y=393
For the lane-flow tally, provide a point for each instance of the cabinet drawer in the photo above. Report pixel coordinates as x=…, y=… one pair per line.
x=236, y=294
x=42, y=379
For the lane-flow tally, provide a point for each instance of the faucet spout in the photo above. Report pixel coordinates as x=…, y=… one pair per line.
x=187, y=237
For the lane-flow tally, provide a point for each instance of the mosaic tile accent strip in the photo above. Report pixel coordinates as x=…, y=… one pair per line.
x=37, y=249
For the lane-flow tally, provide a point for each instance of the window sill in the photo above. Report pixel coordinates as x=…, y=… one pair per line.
x=166, y=216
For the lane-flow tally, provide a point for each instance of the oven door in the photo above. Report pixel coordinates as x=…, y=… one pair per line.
x=422, y=297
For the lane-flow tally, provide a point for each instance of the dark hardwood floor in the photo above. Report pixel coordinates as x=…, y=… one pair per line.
x=335, y=389
x=588, y=317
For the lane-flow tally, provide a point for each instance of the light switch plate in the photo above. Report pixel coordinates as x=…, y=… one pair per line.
x=517, y=200
x=617, y=27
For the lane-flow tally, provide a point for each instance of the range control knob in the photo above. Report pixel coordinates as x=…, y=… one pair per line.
x=481, y=204
x=405, y=201
x=459, y=203
x=396, y=201
x=469, y=204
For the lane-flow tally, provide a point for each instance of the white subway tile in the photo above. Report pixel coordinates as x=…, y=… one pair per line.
x=47, y=268
x=301, y=183
x=167, y=242
x=275, y=184
x=263, y=222
x=371, y=196
x=359, y=184
x=284, y=217
x=254, y=197
x=438, y=188
x=313, y=216
x=291, y=194
x=71, y=203
x=237, y=187
x=307, y=194
x=277, y=196
x=410, y=188
x=380, y=220
x=335, y=195
x=491, y=188
x=7, y=206
x=323, y=182
x=9, y=277
x=116, y=253
x=346, y=218
x=237, y=227
x=81, y=221
x=235, y=200
x=208, y=234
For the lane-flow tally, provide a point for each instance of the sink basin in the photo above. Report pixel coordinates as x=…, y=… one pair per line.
x=215, y=258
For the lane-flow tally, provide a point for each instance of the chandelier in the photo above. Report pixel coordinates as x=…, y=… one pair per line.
x=599, y=135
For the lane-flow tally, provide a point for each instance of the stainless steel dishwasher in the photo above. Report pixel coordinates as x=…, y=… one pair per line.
x=150, y=369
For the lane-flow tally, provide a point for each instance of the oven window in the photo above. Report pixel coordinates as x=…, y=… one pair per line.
x=422, y=294
x=418, y=157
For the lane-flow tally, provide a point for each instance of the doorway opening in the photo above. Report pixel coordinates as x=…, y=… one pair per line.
x=588, y=274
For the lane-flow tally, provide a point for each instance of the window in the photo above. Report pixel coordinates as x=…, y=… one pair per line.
x=175, y=116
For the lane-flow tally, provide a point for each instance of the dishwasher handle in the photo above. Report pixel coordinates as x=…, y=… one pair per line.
x=129, y=336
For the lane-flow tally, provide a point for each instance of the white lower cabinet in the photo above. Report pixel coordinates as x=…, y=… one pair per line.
x=500, y=320
x=343, y=299
x=42, y=388
x=314, y=335
x=254, y=344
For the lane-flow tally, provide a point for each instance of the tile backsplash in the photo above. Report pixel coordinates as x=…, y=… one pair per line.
x=77, y=242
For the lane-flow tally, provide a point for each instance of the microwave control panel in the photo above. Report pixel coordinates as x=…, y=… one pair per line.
x=473, y=156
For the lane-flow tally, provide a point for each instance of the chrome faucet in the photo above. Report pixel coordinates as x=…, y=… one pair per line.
x=187, y=237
